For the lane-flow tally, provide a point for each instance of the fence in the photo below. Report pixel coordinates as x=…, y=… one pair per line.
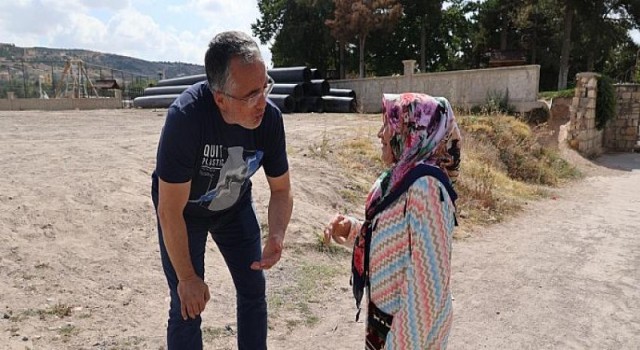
x=42, y=79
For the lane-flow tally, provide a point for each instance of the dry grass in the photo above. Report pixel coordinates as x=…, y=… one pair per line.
x=503, y=167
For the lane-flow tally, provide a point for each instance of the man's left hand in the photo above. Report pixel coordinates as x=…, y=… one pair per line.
x=270, y=254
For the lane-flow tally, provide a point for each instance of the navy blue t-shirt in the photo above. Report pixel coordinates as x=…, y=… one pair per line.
x=198, y=145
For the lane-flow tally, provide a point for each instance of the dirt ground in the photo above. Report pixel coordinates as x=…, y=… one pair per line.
x=80, y=267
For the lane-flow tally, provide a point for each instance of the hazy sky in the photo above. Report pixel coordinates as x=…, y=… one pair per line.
x=154, y=30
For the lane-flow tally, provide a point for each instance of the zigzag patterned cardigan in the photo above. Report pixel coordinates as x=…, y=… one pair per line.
x=402, y=256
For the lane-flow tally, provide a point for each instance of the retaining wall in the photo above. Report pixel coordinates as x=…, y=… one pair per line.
x=59, y=104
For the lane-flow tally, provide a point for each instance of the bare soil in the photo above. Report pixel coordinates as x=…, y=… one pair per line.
x=80, y=267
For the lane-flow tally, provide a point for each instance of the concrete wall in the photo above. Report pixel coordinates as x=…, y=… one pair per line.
x=59, y=104
x=464, y=89
x=622, y=133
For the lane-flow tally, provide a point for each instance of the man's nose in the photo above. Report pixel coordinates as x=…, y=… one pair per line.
x=262, y=101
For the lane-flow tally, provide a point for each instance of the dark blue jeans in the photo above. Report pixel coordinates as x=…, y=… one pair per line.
x=237, y=235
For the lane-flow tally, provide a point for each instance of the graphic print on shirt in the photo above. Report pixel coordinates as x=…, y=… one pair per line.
x=231, y=170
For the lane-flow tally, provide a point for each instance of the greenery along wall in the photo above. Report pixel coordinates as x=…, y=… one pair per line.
x=605, y=102
x=455, y=34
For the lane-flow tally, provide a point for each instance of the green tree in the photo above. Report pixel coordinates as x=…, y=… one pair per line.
x=447, y=45
x=424, y=17
x=364, y=17
x=602, y=25
x=297, y=32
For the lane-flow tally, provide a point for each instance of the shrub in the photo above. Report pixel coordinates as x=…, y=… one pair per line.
x=605, y=102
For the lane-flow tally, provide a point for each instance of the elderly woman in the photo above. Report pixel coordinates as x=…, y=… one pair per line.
x=402, y=250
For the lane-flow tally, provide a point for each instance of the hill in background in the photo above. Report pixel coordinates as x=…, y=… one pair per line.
x=35, y=71
x=34, y=56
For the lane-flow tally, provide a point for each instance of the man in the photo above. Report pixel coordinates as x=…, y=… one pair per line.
x=216, y=135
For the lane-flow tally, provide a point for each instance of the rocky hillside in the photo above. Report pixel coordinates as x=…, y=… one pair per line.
x=43, y=58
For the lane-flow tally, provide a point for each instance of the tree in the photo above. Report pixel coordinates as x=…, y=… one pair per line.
x=297, y=32
x=566, y=44
x=363, y=17
x=603, y=24
x=341, y=29
x=447, y=44
x=426, y=17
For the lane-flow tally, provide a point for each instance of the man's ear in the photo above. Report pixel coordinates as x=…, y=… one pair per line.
x=219, y=99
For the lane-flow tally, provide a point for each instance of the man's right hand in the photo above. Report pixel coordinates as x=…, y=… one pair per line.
x=194, y=295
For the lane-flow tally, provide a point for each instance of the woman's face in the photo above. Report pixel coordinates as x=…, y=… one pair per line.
x=385, y=134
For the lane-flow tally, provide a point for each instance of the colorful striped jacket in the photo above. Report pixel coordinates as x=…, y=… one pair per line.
x=410, y=266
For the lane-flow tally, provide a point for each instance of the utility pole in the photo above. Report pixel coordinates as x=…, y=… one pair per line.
x=24, y=80
x=53, y=82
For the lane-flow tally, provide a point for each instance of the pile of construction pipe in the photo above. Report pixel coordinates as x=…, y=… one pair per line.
x=296, y=89
x=302, y=89
x=166, y=91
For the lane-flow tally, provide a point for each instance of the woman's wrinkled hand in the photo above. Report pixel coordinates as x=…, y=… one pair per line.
x=338, y=228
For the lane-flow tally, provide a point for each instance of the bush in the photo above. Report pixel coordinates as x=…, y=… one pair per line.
x=547, y=95
x=495, y=102
x=605, y=102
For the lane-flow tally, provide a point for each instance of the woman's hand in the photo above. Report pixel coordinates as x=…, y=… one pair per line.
x=340, y=228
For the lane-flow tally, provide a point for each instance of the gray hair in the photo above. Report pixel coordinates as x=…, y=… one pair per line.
x=222, y=49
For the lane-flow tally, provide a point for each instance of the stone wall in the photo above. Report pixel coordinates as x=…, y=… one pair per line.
x=582, y=133
x=621, y=133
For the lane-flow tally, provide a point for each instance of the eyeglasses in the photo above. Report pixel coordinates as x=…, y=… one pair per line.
x=253, y=99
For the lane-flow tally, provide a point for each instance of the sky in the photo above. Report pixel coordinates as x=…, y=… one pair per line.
x=153, y=30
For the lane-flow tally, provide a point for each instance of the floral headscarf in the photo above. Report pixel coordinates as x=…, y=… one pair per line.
x=421, y=125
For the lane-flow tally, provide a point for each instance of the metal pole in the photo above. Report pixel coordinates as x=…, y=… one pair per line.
x=124, y=84
x=53, y=82
x=24, y=81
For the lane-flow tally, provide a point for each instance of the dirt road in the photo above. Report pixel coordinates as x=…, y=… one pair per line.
x=563, y=275
x=79, y=266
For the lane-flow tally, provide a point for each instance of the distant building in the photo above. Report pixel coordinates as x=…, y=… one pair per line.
x=106, y=84
x=506, y=58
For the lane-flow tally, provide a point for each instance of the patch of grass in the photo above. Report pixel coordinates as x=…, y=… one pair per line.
x=314, y=277
x=303, y=288
x=321, y=149
x=547, y=95
x=503, y=167
x=210, y=334
x=524, y=159
x=68, y=330
x=333, y=249
x=59, y=310
x=360, y=159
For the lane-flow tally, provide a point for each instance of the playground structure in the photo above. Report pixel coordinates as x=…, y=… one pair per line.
x=76, y=81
